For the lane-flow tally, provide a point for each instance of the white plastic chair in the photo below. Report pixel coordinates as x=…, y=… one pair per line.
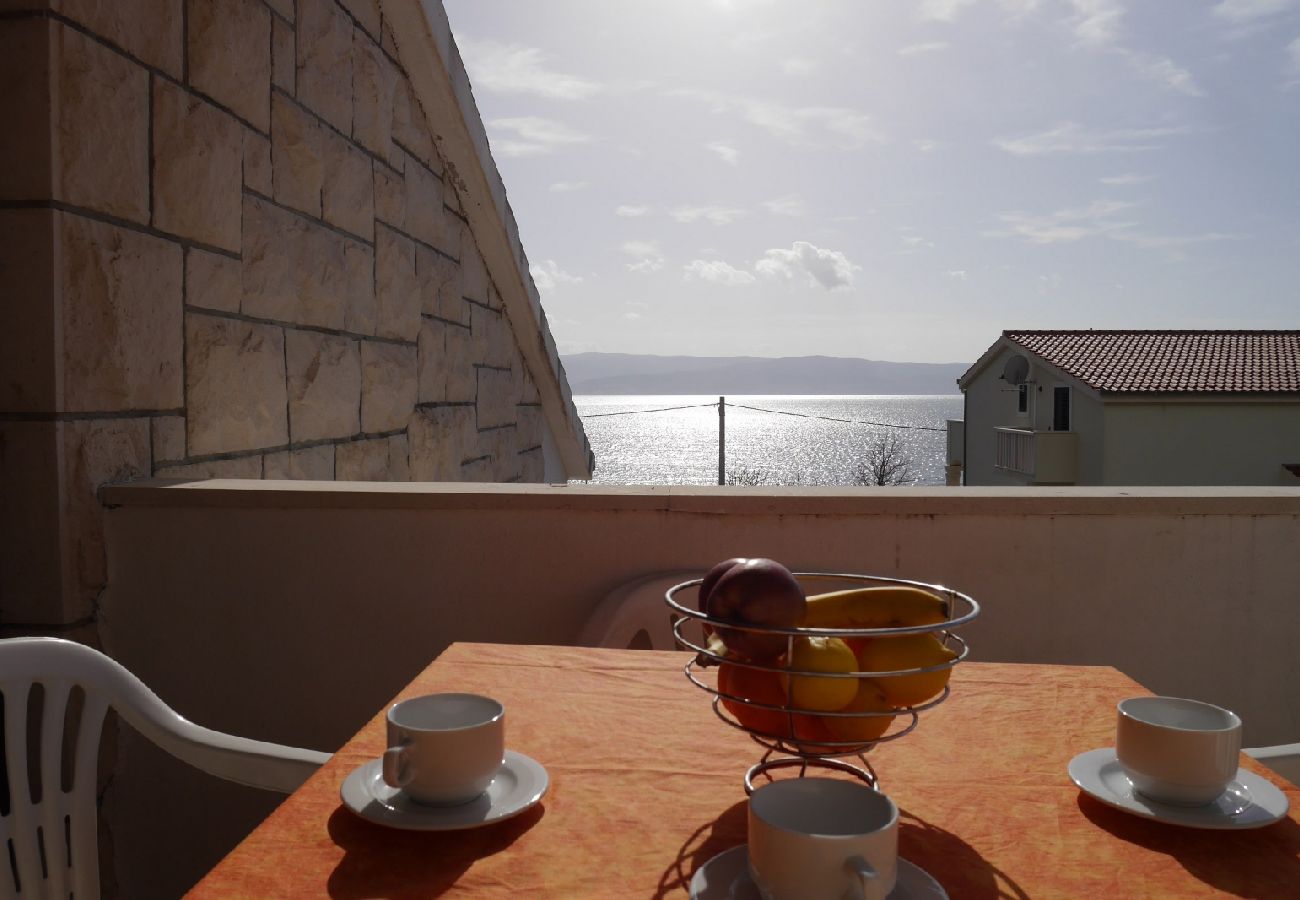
x=1284, y=759
x=52, y=842
x=634, y=615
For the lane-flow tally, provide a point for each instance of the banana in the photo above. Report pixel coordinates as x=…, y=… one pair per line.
x=885, y=606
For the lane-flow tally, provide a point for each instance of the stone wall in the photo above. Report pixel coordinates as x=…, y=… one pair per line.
x=228, y=247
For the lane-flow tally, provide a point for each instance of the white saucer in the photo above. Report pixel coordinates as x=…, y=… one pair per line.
x=726, y=877
x=518, y=786
x=1250, y=801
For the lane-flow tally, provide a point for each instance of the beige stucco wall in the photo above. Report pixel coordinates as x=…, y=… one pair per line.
x=1242, y=442
x=294, y=612
x=233, y=246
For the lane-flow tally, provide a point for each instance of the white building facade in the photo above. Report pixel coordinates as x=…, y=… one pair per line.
x=1132, y=408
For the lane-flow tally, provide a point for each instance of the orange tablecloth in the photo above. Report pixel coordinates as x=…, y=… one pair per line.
x=646, y=787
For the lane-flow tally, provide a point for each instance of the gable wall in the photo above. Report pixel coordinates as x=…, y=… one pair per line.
x=234, y=251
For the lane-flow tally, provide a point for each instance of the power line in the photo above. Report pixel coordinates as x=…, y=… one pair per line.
x=775, y=412
x=632, y=412
x=782, y=412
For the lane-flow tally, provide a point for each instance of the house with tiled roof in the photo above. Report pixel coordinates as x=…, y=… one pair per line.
x=1131, y=408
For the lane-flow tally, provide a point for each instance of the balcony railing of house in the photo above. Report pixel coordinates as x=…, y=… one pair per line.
x=1016, y=448
x=1044, y=457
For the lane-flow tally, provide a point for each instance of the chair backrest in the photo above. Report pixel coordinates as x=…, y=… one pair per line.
x=49, y=827
x=50, y=837
x=634, y=615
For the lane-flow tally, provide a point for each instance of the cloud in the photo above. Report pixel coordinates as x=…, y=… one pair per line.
x=716, y=214
x=726, y=153
x=829, y=268
x=631, y=212
x=1164, y=70
x=516, y=69
x=1097, y=24
x=562, y=187
x=1238, y=11
x=1125, y=179
x=1018, y=8
x=1065, y=225
x=925, y=145
x=640, y=248
x=854, y=126
x=789, y=205
x=927, y=47
x=957, y=274
x=1071, y=137
x=1099, y=219
x=548, y=276
x=1293, y=57
x=533, y=135
x=796, y=66
x=716, y=271
x=802, y=126
x=907, y=234
x=942, y=10
x=1097, y=21
x=648, y=257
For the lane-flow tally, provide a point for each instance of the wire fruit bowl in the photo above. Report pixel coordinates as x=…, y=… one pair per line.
x=788, y=736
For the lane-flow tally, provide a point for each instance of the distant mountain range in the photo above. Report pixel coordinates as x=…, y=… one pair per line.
x=628, y=373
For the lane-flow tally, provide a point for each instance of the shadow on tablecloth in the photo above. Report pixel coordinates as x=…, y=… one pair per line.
x=388, y=862
x=954, y=863
x=957, y=866
x=1242, y=863
x=705, y=842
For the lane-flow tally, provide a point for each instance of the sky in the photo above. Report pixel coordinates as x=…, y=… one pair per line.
x=893, y=179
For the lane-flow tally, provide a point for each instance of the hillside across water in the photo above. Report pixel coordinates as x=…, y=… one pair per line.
x=627, y=373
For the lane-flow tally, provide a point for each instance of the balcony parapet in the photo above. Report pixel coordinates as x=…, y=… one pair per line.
x=833, y=500
x=1044, y=457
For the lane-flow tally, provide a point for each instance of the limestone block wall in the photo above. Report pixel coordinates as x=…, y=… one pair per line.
x=229, y=247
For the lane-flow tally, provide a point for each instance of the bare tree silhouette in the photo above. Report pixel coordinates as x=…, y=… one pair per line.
x=886, y=462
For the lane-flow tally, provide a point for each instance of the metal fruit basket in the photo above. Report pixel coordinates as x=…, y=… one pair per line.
x=787, y=749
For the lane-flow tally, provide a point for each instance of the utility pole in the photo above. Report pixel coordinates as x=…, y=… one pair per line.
x=722, y=440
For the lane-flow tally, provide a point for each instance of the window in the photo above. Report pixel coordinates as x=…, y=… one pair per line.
x=1061, y=409
x=1022, y=398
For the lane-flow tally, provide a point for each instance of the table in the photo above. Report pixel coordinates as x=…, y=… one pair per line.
x=646, y=786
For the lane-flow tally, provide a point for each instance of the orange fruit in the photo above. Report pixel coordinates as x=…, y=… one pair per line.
x=865, y=729
x=810, y=731
x=756, y=686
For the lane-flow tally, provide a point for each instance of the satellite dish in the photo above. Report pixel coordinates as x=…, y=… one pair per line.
x=1016, y=371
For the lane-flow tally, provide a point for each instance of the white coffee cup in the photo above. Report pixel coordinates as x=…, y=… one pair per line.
x=1183, y=752
x=822, y=839
x=444, y=749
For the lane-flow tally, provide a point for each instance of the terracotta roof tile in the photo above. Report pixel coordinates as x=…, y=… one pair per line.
x=1172, y=361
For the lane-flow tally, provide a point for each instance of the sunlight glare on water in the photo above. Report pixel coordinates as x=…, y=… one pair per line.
x=681, y=446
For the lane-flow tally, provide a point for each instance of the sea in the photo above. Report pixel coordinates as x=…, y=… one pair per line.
x=770, y=440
